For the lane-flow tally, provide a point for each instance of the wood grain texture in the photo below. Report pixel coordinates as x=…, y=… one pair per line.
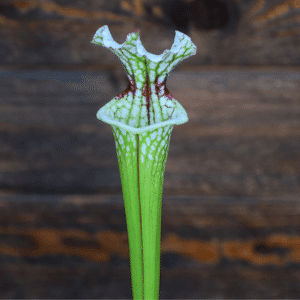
x=74, y=246
x=242, y=137
x=226, y=32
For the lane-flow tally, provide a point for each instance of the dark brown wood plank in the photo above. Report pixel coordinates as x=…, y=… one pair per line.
x=240, y=32
x=212, y=247
x=242, y=137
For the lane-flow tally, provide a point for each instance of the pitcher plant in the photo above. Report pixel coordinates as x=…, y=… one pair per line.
x=142, y=118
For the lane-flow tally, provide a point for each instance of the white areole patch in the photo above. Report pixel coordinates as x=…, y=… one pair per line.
x=148, y=141
x=153, y=135
x=144, y=149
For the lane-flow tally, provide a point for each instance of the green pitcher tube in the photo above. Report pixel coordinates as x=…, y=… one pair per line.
x=142, y=118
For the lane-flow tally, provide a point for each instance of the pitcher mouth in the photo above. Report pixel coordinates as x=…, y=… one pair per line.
x=181, y=119
x=180, y=41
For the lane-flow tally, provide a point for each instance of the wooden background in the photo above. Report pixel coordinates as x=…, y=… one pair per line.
x=232, y=32
x=230, y=226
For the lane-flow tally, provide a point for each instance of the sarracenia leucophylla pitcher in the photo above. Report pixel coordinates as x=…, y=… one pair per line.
x=142, y=119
